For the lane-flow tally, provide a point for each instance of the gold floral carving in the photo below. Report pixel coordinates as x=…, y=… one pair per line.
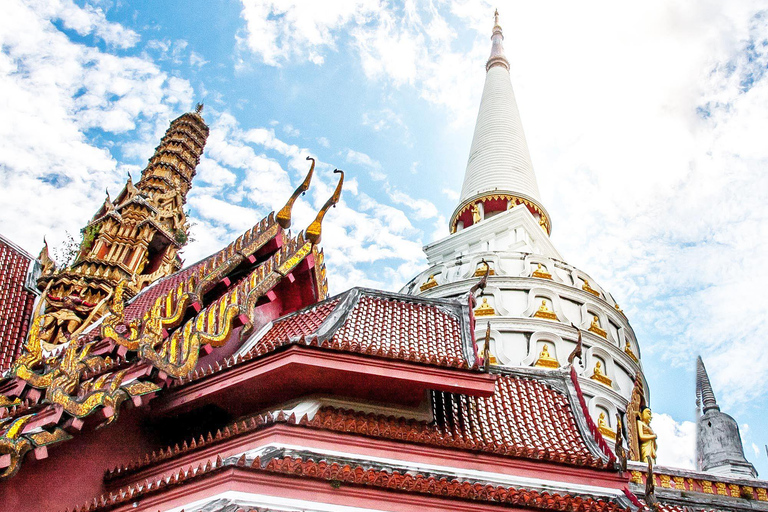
x=762, y=494
x=706, y=486
x=721, y=490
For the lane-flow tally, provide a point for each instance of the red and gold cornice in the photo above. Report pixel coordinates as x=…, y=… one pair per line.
x=532, y=206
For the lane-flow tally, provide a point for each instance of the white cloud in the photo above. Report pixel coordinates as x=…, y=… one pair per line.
x=301, y=29
x=86, y=20
x=324, y=142
x=450, y=194
x=403, y=46
x=291, y=131
x=676, y=441
x=356, y=157
x=196, y=60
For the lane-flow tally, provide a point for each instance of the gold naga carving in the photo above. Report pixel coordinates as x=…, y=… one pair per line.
x=66, y=381
x=64, y=376
x=634, y=407
x=13, y=444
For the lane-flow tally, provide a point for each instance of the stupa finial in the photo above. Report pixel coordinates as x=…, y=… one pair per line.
x=497, y=58
x=705, y=396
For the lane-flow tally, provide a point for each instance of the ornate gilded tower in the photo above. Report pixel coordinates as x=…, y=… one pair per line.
x=135, y=238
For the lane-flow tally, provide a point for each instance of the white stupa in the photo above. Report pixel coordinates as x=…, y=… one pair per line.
x=533, y=298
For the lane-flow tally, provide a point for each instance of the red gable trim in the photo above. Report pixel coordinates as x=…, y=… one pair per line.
x=347, y=477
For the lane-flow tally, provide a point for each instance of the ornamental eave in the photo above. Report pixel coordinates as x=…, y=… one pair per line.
x=456, y=242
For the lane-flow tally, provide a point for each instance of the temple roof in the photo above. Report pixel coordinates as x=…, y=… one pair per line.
x=532, y=414
x=16, y=300
x=341, y=471
x=499, y=160
x=378, y=323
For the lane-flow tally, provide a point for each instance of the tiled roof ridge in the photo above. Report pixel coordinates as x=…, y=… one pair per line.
x=593, y=430
x=565, y=381
x=357, y=475
x=16, y=247
x=360, y=423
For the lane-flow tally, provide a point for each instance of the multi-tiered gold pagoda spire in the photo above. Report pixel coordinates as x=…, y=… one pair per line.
x=135, y=238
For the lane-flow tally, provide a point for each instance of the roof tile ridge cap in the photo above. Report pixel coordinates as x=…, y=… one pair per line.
x=308, y=309
x=15, y=247
x=339, y=315
x=594, y=434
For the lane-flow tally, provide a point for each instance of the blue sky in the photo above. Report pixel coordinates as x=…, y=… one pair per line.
x=646, y=126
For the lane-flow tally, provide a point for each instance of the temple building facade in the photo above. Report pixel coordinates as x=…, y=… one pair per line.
x=499, y=378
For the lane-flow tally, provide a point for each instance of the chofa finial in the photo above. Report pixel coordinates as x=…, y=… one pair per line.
x=314, y=230
x=199, y=108
x=284, y=215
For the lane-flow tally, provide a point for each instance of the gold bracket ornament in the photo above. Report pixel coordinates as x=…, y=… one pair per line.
x=12, y=443
x=284, y=215
x=115, y=317
x=214, y=328
x=314, y=231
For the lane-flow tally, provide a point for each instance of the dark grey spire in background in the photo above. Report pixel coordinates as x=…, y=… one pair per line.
x=718, y=441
